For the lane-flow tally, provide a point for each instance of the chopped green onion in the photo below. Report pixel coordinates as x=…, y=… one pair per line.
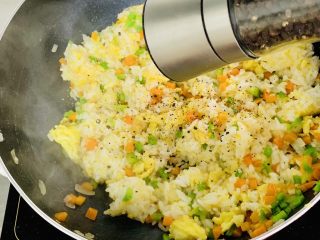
x=316, y=188
x=282, y=95
x=192, y=195
x=202, y=186
x=231, y=230
x=267, y=151
x=100, y=62
x=82, y=101
x=152, y=140
x=121, y=77
x=311, y=151
x=163, y=174
x=263, y=216
x=230, y=101
x=157, y=216
x=165, y=237
x=266, y=168
x=121, y=98
x=199, y=213
x=120, y=107
x=281, y=197
x=239, y=173
x=179, y=134
x=138, y=147
x=102, y=89
x=218, y=72
x=279, y=216
x=283, y=205
x=132, y=158
x=152, y=183
x=128, y=195
x=211, y=127
x=142, y=81
x=68, y=114
x=307, y=168
x=297, y=179
x=254, y=91
x=131, y=20
x=140, y=51
x=296, y=124
x=204, y=146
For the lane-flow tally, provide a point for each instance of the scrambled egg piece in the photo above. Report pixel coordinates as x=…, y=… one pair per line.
x=227, y=219
x=69, y=138
x=185, y=228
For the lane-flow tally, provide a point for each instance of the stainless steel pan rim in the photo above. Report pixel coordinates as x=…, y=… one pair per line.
x=36, y=209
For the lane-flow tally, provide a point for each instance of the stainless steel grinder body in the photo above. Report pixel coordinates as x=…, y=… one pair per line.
x=186, y=38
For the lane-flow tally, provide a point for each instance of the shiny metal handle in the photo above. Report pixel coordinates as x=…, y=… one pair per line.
x=186, y=38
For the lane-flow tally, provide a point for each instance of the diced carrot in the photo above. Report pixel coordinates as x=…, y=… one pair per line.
x=268, y=223
x=128, y=120
x=255, y=217
x=70, y=198
x=315, y=126
x=307, y=139
x=248, y=159
x=245, y=226
x=130, y=60
x=257, y=232
x=235, y=72
x=129, y=147
x=87, y=186
x=167, y=221
x=92, y=214
x=237, y=233
x=73, y=117
x=316, y=136
x=62, y=61
x=269, y=97
x=277, y=140
x=156, y=95
x=170, y=85
x=216, y=231
x=185, y=92
x=290, y=137
x=61, y=216
x=257, y=163
x=175, y=171
x=271, y=190
x=274, y=167
x=222, y=78
x=91, y=144
x=223, y=86
x=95, y=36
x=141, y=34
x=239, y=183
x=267, y=75
x=268, y=200
x=290, y=87
x=253, y=183
x=119, y=71
x=129, y=172
x=222, y=118
x=80, y=200
x=192, y=116
x=306, y=186
x=149, y=219
x=316, y=171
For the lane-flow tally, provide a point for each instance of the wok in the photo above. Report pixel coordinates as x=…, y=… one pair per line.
x=33, y=99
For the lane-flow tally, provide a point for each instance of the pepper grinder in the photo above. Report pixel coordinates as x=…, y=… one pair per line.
x=186, y=38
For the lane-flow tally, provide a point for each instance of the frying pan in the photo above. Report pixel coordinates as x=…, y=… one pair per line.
x=33, y=98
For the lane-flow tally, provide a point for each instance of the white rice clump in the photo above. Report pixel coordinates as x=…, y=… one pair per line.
x=199, y=154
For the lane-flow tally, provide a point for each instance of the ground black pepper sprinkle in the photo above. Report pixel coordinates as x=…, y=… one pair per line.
x=263, y=24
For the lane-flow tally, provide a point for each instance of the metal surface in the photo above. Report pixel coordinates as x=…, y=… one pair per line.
x=220, y=32
x=177, y=40
x=33, y=98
